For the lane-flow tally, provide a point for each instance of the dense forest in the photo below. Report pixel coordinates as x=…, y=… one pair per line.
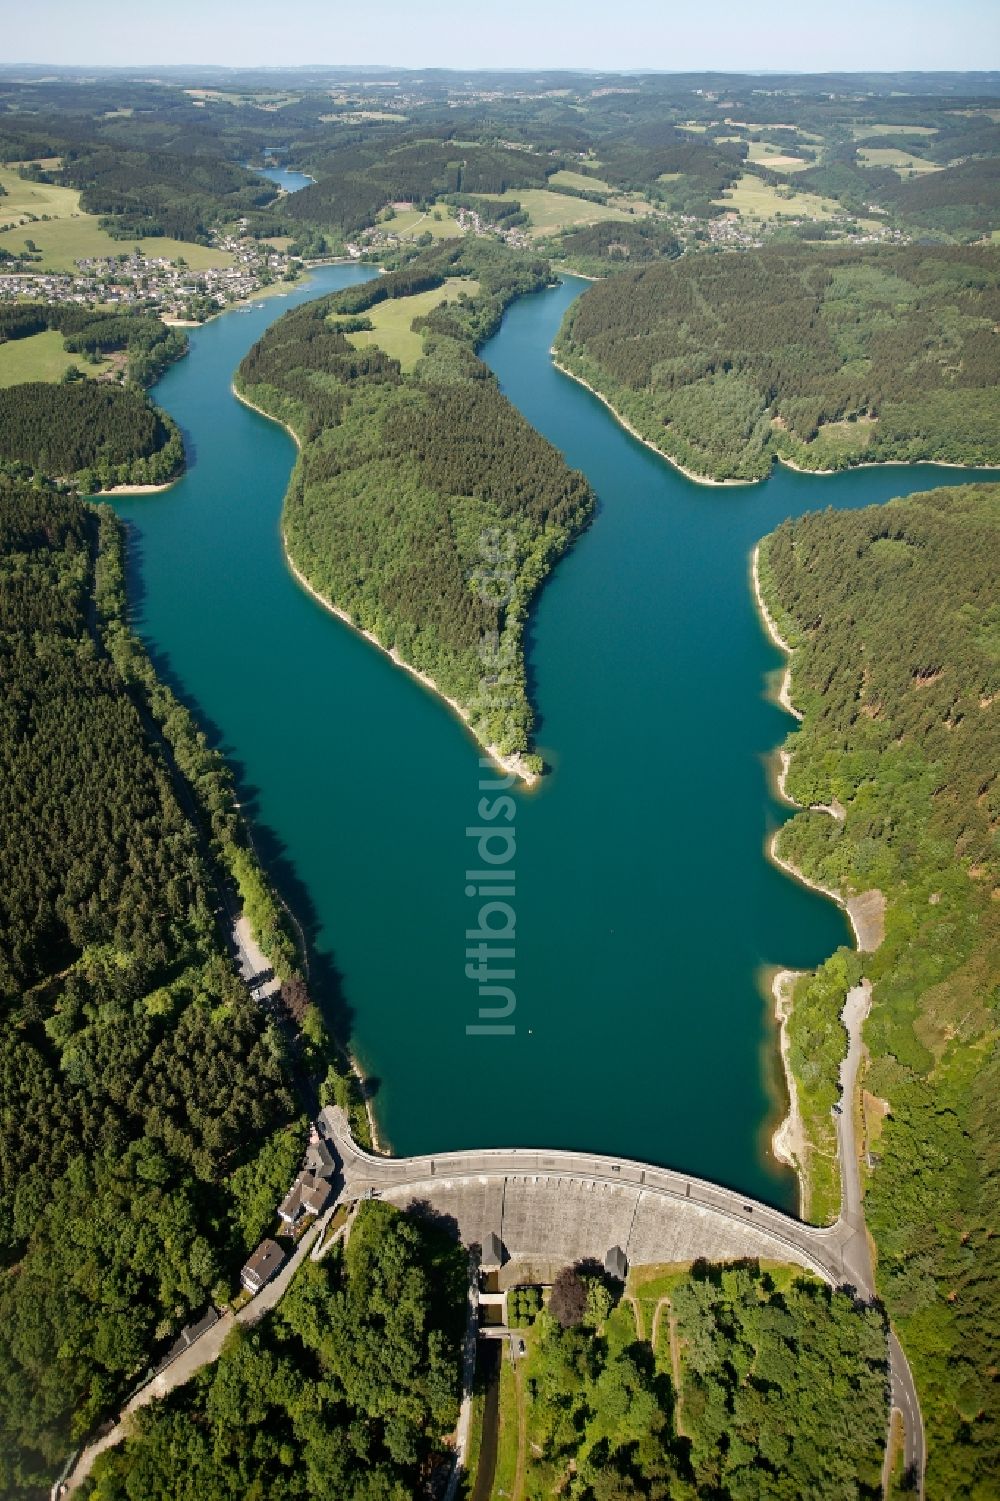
x=139, y=192
x=423, y=505
x=893, y=612
x=599, y=249
x=347, y=1389
x=356, y=182
x=96, y=433
x=823, y=357
x=139, y=1080
x=737, y=1383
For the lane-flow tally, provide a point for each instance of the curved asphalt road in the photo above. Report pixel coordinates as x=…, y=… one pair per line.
x=840, y=1254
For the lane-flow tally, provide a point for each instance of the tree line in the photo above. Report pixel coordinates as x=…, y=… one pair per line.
x=347, y=1389
x=139, y=1081
x=892, y=611
x=824, y=357
x=401, y=478
x=147, y=341
x=737, y=1382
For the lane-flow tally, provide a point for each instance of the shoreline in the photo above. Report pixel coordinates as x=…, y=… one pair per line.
x=241, y=304
x=886, y=464
x=864, y=911
x=704, y=479
x=789, y=1143
x=778, y=640
x=866, y=927
x=140, y=489
x=698, y=479
x=513, y=764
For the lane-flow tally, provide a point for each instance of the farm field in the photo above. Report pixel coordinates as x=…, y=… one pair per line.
x=40, y=357
x=580, y=181
x=70, y=234
x=551, y=212
x=902, y=162
x=409, y=223
x=753, y=199
x=886, y=128
x=393, y=319
x=22, y=197
x=775, y=158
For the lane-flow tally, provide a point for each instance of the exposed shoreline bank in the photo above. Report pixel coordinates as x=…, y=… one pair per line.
x=770, y=625
x=513, y=764
x=698, y=479
x=865, y=912
x=139, y=489
x=886, y=464
x=705, y=479
x=789, y=1143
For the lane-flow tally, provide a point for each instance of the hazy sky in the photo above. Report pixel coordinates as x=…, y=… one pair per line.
x=654, y=34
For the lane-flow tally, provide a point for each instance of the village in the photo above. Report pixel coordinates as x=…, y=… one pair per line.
x=170, y=288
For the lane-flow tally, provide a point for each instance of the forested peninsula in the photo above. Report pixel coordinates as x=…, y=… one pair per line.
x=423, y=506
x=95, y=433
x=893, y=614
x=821, y=357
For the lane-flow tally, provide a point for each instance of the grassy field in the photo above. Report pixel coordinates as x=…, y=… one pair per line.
x=36, y=198
x=265, y=99
x=409, y=223
x=775, y=158
x=505, y=1475
x=392, y=319
x=887, y=129
x=40, y=357
x=69, y=234
x=753, y=199
x=581, y=182
x=902, y=162
x=47, y=163
x=551, y=212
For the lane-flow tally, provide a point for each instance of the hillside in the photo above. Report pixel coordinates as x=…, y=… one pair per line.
x=347, y=1389
x=822, y=357
x=894, y=616
x=423, y=506
x=140, y=1083
x=97, y=432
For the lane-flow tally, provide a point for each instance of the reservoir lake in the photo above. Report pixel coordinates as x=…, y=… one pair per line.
x=647, y=911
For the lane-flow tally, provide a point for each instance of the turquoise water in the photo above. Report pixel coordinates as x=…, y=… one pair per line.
x=645, y=906
x=290, y=181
